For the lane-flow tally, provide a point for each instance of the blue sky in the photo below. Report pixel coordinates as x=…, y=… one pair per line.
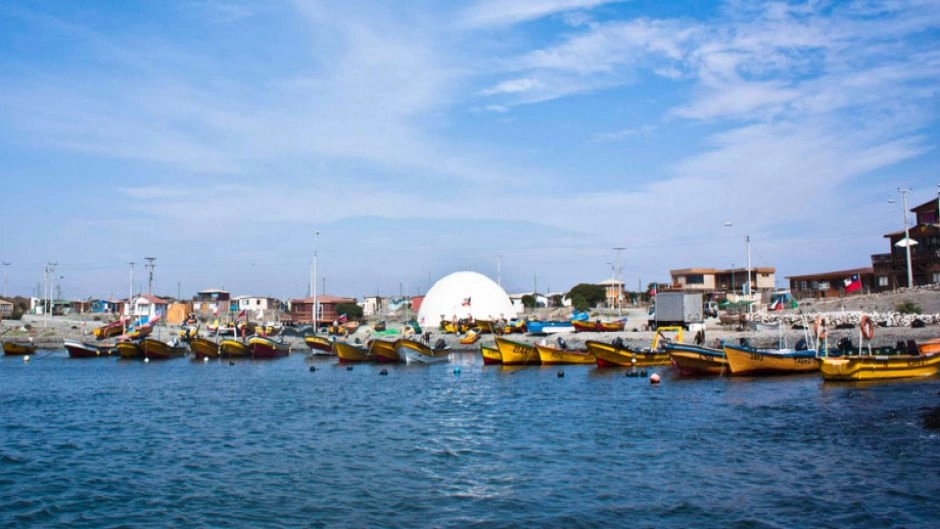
x=423, y=138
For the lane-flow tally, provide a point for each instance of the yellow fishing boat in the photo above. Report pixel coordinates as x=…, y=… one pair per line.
x=159, y=350
x=108, y=330
x=418, y=353
x=348, y=352
x=619, y=354
x=517, y=353
x=319, y=344
x=204, y=348
x=692, y=360
x=18, y=348
x=490, y=355
x=385, y=352
x=231, y=348
x=745, y=360
x=129, y=350
x=460, y=326
x=471, y=337
x=873, y=367
x=549, y=355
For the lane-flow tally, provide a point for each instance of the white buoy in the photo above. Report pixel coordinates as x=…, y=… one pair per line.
x=147, y=360
x=205, y=359
x=26, y=358
x=654, y=378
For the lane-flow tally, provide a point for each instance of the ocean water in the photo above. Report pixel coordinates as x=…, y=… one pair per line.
x=111, y=443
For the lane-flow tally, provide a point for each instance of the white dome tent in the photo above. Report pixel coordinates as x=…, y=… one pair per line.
x=463, y=294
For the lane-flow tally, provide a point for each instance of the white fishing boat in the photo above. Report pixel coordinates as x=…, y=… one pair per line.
x=413, y=352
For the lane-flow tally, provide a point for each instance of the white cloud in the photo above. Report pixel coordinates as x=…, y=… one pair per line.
x=513, y=86
x=504, y=13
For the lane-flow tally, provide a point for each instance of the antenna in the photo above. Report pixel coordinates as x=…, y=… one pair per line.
x=150, y=266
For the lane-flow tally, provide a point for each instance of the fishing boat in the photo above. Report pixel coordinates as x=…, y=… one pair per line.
x=319, y=344
x=385, y=352
x=18, y=348
x=417, y=353
x=85, y=350
x=108, y=330
x=485, y=326
x=746, y=360
x=514, y=326
x=472, y=336
x=232, y=348
x=263, y=348
x=693, y=360
x=874, y=367
x=129, y=350
x=619, y=354
x=548, y=326
x=517, y=353
x=159, y=350
x=460, y=326
x=490, y=355
x=204, y=348
x=552, y=355
x=598, y=326
x=348, y=353
x=187, y=331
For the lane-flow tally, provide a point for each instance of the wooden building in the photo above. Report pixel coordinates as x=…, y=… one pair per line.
x=830, y=284
x=890, y=269
x=301, y=310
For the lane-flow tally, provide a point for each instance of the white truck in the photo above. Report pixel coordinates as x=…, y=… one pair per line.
x=676, y=309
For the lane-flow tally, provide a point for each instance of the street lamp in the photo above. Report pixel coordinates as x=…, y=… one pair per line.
x=313, y=282
x=747, y=288
x=907, y=243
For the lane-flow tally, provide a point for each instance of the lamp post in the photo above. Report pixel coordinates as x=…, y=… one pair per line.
x=747, y=287
x=5, y=265
x=619, y=285
x=313, y=282
x=907, y=235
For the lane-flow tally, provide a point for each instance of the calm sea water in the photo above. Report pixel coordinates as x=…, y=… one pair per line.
x=110, y=443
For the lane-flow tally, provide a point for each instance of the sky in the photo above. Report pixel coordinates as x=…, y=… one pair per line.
x=402, y=141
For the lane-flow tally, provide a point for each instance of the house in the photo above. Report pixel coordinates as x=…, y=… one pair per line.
x=211, y=302
x=829, y=284
x=890, y=269
x=301, y=310
x=729, y=280
x=541, y=300
x=256, y=303
x=6, y=308
x=103, y=306
x=613, y=292
x=374, y=306
x=146, y=305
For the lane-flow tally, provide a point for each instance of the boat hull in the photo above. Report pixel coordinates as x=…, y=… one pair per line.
x=551, y=356
x=417, y=353
x=129, y=350
x=203, y=348
x=385, y=352
x=158, y=350
x=490, y=355
x=349, y=353
x=929, y=346
x=18, y=349
x=517, y=353
x=266, y=349
x=319, y=344
x=879, y=367
x=107, y=331
x=549, y=327
x=609, y=355
x=692, y=360
x=597, y=326
x=81, y=350
x=234, y=349
x=751, y=361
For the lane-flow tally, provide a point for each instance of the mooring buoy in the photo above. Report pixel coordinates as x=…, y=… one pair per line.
x=561, y=373
x=654, y=378
x=383, y=372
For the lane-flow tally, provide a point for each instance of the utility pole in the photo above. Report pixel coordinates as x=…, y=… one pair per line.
x=907, y=237
x=747, y=239
x=313, y=283
x=130, y=294
x=150, y=266
x=5, y=265
x=619, y=284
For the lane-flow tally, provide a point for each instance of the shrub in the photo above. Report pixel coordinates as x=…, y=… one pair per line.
x=908, y=307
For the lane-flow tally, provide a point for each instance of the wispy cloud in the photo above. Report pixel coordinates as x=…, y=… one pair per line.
x=502, y=13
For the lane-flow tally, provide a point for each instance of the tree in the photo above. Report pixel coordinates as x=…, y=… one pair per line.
x=579, y=303
x=591, y=295
x=556, y=300
x=528, y=301
x=351, y=310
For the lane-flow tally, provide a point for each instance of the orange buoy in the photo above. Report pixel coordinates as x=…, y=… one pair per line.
x=865, y=325
x=654, y=378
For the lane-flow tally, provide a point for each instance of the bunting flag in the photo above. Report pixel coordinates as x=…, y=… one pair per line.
x=852, y=283
x=242, y=314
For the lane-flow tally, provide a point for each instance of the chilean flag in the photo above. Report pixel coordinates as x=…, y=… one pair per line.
x=852, y=283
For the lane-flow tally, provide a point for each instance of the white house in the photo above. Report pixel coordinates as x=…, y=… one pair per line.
x=256, y=303
x=541, y=300
x=374, y=306
x=150, y=306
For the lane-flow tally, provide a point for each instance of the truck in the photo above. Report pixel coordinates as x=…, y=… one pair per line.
x=676, y=309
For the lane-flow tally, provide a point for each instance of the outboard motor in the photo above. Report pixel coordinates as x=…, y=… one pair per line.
x=844, y=345
x=618, y=342
x=744, y=342
x=802, y=346
x=440, y=344
x=562, y=344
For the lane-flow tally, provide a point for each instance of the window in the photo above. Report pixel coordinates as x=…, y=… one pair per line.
x=882, y=281
x=695, y=279
x=936, y=277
